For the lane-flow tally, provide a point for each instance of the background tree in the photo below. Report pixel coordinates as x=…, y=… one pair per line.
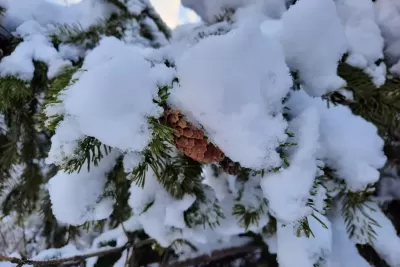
x=38, y=61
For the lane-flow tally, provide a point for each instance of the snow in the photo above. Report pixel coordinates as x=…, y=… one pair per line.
x=36, y=46
x=363, y=36
x=163, y=219
x=219, y=184
x=303, y=251
x=65, y=141
x=306, y=36
x=199, y=7
x=233, y=85
x=272, y=28
x=377, y=73
x=362, y=31
x=185, y=36
x=389, y=184
x=117, y=234
x=112, y=103
x=395, y=69
x=8, y=264
x=85, y=12
x=131, y=161
x=122, y=261
x=287, y=191
x=160, y=39
x=259, y=10
x=357, y=155
x=387, y=243
x=70, y=52
x=174, y=212
x=54, y=253
x=344, y=251
x=84, y=191
x=388, y=18
x=155, y=220
x=209, y=10
x=132, y=34
x=272, y=244
x=136, y=7
x=13, y=232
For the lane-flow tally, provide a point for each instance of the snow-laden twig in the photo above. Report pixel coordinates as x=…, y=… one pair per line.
x=77, y=258
x=214, y=256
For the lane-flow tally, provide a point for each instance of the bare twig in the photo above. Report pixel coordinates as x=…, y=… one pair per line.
x=77, y=259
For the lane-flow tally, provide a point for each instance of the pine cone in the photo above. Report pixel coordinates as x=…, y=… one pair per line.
x=233, y=168
x=191, y=140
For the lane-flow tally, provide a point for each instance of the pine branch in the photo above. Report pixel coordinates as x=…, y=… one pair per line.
x=90, y=151
x=249, y=215
x=380, y=106
x=115, y=25
x=76, y=259
x=356, y=213
x=195, y=215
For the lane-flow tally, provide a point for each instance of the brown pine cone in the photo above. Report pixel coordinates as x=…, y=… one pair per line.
x=233, y=168
x=190, y=140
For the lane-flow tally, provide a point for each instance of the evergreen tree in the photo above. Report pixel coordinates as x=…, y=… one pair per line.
x=255, y=137
x=38, y=60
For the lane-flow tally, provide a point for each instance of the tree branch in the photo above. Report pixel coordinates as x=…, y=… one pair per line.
x=76, y=259
x=216, y=255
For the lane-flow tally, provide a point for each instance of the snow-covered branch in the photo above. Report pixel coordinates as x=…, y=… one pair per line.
x=74, y=259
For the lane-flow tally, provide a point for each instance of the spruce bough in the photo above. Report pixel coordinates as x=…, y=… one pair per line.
x=123, y=165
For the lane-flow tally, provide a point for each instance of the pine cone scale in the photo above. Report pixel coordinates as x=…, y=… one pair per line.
x=190, y=140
